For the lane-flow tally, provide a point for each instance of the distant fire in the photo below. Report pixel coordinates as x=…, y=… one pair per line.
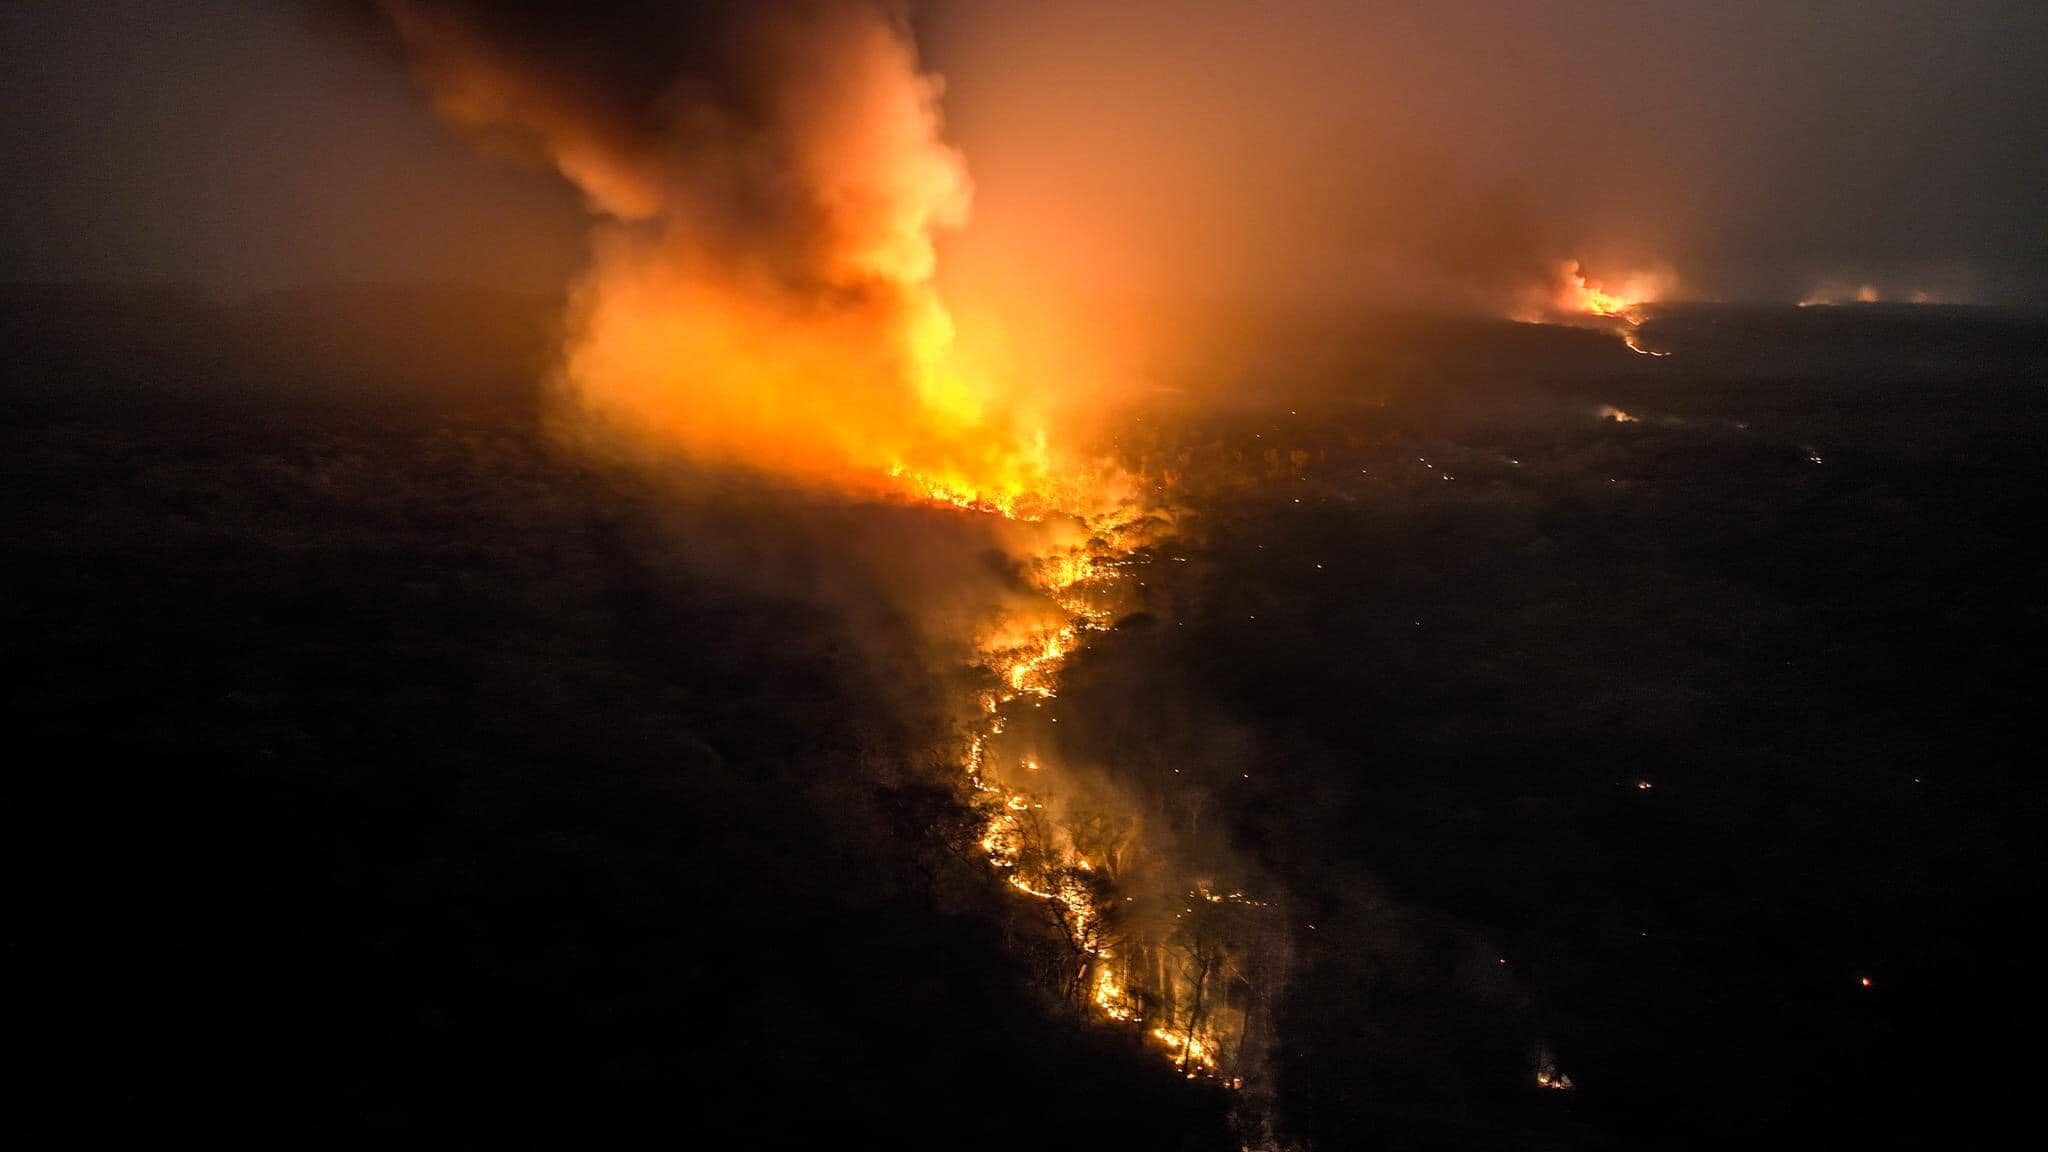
x=1573, y=293
x=1829, y=295
x=1547, y=1074
x=1578, y=294
x=1576, y=299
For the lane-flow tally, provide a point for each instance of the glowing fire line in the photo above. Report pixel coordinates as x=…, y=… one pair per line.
x=1026, y=666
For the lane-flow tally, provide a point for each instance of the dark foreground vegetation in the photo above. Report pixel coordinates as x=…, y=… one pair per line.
x=383, y=770
x=1628, y=714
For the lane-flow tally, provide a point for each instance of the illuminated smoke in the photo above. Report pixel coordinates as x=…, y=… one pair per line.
x=1573, y=298
x=1831, y=294
x=768, y=181
x=1570, y=295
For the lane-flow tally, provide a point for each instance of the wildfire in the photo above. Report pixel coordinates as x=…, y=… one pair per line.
x=763, y=292
x=1574, y=298
x=1192, y=1047
x=1829, y=295
x=1031, y=670
x=1548, y=1076
x=764, y=297
x=1832, y=294
x=1109, y=997
x=1027, y=837
x=1576, y=293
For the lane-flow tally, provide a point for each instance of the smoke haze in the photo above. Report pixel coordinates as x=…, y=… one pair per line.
x=1323, y=153
x=1140, y=155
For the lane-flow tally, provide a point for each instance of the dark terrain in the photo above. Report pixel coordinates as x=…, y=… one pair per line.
x=1640, y=743
x=386, y=768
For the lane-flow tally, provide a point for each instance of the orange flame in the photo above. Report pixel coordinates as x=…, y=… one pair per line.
x=1574, y=293
x=767, y=297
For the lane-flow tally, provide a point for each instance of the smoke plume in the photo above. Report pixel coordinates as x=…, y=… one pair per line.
x=768, y=182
